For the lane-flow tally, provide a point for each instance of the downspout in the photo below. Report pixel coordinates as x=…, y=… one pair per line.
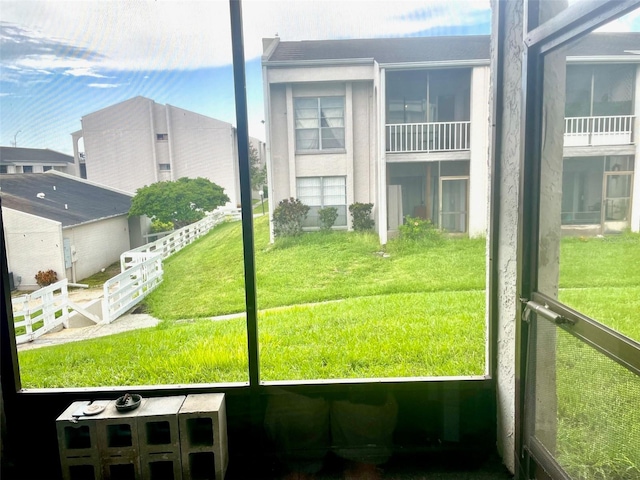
x=267, y=132
x=153, y=141
x=170, y=143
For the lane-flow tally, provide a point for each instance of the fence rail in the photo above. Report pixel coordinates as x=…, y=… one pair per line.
x=609, y=130
x=128, y=288
x=428, y=137
x=40, y=312
x=176, y=241
x=141, y=268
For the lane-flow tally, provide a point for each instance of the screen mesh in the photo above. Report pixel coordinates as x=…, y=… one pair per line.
x=587, y=408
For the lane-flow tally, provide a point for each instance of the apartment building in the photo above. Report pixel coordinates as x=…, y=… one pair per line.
x=138, y=142
x=34, y=160
x=403, y=123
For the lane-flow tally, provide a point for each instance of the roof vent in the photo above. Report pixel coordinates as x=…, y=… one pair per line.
x=66, y=207
x=40, y=195
x=54, y=187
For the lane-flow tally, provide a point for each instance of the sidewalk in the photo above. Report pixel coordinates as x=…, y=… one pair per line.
x=130, y=321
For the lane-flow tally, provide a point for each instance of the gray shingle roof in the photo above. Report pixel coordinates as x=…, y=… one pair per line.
x=387, y=50
x=435, y=49
x=85, y=202
x=36, y=155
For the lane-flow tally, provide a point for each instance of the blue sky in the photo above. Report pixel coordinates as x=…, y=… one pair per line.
x=61, y=60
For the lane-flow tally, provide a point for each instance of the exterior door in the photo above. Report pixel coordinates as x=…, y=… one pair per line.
x=617, y=201
x=580, y=319
x=454, y=203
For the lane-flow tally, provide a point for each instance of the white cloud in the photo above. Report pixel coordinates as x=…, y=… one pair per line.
x=164, y=35
x=105, y=85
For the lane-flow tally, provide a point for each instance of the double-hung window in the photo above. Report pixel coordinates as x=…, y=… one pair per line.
x=320, y=192
x=319, y=123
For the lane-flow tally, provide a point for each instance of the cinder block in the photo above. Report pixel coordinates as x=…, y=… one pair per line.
x=77, y=437
x=81, y=468
x=161, y=466
x=203, y=437
x=118, y=432
x=121, y=468
x=158, y=425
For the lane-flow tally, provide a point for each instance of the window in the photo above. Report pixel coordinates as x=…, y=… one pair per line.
x=319, y=123
x=3, y=169
x=162, y=137
x=165, y=166
x=319, y=192
x=46, y=168
x=27, y=169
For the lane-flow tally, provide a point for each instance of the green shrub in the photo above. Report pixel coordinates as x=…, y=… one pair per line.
x=419, y=229
x=288, y=217
x=157, y=226
x=361, y=216
x=46, y=278
x=328, y=217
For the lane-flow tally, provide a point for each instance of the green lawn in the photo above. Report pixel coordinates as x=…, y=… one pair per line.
x=336, y=306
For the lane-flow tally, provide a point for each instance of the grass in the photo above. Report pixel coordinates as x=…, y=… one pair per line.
x=312, y=268
x=98, y=279
x=598, y=414
x=335, y=306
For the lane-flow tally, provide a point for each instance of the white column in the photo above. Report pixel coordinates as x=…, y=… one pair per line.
x=635, y=200
x=348, y=145
x=479, y=163
x=291, y=142
x=382, y=164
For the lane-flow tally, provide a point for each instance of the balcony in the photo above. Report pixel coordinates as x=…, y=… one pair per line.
x=591, y=131
x=428, y=137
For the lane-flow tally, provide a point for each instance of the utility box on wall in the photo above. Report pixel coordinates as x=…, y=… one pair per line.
x=164, y=438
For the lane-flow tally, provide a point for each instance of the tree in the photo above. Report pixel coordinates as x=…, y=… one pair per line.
x=181, y=202
x=257, y=172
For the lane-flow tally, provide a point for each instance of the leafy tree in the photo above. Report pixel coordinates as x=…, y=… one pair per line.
x=181, y=202
x=257, y=172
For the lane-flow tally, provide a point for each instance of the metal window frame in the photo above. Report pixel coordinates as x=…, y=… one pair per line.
x=255, y=390
x=572, y=23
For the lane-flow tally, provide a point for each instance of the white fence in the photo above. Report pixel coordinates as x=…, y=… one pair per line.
x=428, y=137
x=40, y=312
x=179, y=239
x=610, y=130
x=128, y=288
x=141, y=268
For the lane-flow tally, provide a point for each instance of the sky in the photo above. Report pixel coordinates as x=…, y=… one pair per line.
x=61, y=60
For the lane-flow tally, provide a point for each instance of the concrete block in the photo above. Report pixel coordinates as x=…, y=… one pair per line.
x=158, y=430
x=77, y=438
x=118, y=432
x=161, y=466
x=81, y=468
x=121, y=468
x=203, y=436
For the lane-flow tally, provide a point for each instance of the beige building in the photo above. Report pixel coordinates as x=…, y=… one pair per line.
x=403, y=123
x=138, y=142
x=35, y=160
x=53, y=221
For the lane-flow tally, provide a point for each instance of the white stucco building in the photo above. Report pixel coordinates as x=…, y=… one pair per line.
x=35, y=160
x=139, y=142
x=403, y=123
x=53, y=221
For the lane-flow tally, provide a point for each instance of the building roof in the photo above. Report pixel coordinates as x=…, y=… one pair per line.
x=436, y=49
x=84, y=201
x=387, y=50
x=35, y=155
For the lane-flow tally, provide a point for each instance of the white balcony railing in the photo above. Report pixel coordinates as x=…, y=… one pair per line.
x=588, y=131
x=428, y=137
